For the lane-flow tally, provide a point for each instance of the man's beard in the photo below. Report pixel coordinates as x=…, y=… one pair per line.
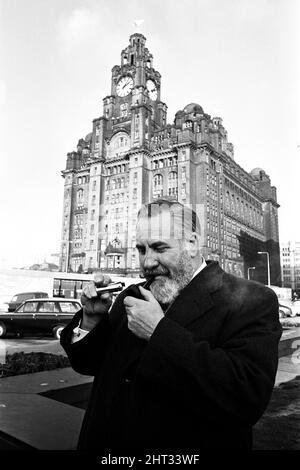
x=170, y=283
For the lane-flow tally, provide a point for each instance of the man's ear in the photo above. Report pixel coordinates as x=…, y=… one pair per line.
x=194, y=244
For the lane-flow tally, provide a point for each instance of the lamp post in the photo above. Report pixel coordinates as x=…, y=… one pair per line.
x=67, y=254
x=249, y=269
x=268, y=264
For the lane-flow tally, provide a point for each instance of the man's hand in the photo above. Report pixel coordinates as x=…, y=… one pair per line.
x=95, y=305
x=143, y=315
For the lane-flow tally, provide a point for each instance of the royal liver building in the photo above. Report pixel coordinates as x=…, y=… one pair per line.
x=133, y=156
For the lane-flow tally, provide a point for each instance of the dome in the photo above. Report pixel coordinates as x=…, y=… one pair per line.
x=193, y=108
x=256, y=171
x=89, y=137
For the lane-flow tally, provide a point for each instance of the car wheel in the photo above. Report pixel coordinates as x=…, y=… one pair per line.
x=2, y=330
x=57, y=331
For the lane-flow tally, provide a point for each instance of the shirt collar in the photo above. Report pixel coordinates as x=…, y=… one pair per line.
x=202, y=266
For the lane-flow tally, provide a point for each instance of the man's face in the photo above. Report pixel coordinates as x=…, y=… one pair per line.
x=163, y=258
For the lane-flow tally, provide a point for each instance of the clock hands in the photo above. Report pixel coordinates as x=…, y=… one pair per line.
x=126, y=83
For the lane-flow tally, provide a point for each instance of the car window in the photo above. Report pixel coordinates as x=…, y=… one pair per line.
x=48, y=307
x=20, y=309
x=69, y=307
x=30, y=307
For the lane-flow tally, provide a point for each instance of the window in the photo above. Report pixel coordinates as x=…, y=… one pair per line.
x=158, y=180
x=94, y=185
x=124, y=109
x=48, y=307
x=172, y=191
x=172, y=176
x=187, y=125
x=69, y=307
x=28, y=307
x=92, y=231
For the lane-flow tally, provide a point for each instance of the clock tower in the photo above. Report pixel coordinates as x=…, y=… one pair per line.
x=121, y=142
x=134, y=102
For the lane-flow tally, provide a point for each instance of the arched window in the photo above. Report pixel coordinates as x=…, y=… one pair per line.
x=227, y=200
x=238, y=206
x=172, y=183
x=232, y=203
x=172, y=176
x=158, y=185
x=80, y=194
x=158, y=180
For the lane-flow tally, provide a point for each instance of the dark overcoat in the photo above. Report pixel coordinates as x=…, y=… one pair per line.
x=201, y=382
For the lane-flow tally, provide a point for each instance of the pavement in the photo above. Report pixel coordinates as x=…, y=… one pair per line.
x=35, y=414
x=30, y=420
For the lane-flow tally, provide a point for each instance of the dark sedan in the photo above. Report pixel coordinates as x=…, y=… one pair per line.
x=47, y=315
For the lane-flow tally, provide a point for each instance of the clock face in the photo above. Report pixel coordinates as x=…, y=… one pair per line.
x=152, y=90
x=124, y=86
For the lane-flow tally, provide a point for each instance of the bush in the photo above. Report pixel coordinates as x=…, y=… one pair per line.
x=28, y=363
x=292, y=321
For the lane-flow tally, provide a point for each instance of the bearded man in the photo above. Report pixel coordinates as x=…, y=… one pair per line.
x=188, y=364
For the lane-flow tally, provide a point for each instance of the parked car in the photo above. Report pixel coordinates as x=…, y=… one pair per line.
x=19, y=298
x=285, y=311
x=296, y=306
x=46, y=315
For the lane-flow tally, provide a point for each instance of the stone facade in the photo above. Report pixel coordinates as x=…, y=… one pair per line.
x=133, y=156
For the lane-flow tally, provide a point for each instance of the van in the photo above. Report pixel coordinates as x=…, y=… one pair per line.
x=19, y=298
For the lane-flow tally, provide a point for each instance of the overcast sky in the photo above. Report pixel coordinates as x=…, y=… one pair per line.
x=239, y=59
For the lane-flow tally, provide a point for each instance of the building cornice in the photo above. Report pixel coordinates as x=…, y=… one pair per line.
x=273, y=202
x=139, y=151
